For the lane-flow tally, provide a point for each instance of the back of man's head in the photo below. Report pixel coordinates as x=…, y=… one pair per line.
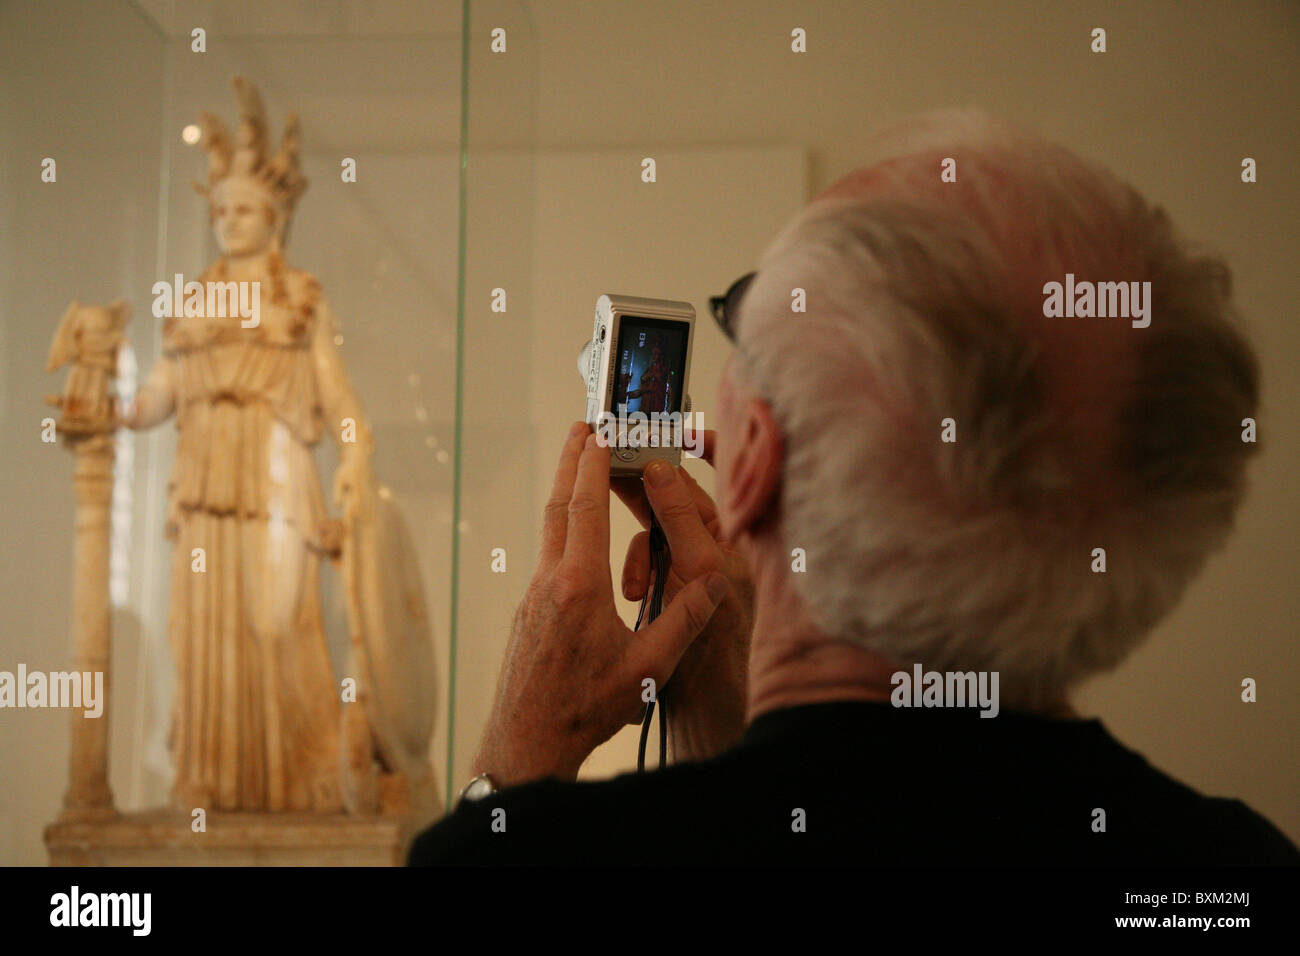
x=955, y=457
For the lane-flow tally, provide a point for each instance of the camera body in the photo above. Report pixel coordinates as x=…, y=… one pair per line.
x=636, y=367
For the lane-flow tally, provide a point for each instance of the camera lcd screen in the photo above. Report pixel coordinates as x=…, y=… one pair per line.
x=651, y=356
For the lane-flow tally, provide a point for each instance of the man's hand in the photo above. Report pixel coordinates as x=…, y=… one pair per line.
x=708, y=690
x=573, y=671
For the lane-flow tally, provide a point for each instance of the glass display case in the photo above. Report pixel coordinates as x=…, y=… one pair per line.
x=415, y=149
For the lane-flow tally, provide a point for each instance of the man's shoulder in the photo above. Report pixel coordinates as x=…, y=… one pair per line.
x=1249, y=837
x=1169, y=821
x=1140, y=814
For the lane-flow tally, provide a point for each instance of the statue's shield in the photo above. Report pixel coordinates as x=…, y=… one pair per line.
x=391, y=636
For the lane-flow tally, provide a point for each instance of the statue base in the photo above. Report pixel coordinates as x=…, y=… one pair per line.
x=164, y=838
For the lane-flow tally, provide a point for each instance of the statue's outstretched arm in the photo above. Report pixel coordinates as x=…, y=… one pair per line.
x=155, y=401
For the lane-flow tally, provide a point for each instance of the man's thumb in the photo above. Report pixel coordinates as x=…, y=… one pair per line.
x=683, y=619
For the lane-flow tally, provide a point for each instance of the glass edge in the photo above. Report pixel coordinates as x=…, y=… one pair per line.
x=460, y=401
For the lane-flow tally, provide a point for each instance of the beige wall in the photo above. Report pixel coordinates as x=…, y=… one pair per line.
x=1173, y=107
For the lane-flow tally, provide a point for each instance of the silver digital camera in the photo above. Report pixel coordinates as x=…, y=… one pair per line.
x=636, y=367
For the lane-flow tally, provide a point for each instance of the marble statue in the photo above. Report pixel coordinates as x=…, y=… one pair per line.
x=296, y=765
x=259, y=721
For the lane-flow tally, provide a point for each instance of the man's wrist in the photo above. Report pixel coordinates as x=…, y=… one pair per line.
x=510, y=769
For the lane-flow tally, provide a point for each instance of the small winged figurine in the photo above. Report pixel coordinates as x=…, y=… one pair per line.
x=88, y=338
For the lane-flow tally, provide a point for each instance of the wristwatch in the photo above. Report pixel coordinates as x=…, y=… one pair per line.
x=478, y=788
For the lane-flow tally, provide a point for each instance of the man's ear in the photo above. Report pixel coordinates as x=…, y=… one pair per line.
x=751, y=495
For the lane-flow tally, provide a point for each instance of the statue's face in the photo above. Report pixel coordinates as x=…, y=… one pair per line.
x=243, y=217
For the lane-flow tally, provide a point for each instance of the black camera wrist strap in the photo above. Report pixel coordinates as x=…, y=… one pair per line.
x=660, y=562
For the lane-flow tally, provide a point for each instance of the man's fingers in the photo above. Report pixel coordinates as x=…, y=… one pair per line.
x=700, y=444
x=657, y=648
x=586, y=542
x=631, y=491
x=555, y=519
x=636, y=567
x=708, y=510
x=679, y=515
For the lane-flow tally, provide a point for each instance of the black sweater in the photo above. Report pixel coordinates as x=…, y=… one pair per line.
x=865, y=783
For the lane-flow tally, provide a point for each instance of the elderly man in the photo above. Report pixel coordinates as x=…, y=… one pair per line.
x=929, y=474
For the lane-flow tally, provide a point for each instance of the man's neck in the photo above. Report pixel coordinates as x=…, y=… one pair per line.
x=792, y=662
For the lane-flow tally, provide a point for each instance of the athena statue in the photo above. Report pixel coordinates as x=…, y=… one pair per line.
x=257, y=720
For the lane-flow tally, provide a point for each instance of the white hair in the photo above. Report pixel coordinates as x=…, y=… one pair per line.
x=924, y=303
